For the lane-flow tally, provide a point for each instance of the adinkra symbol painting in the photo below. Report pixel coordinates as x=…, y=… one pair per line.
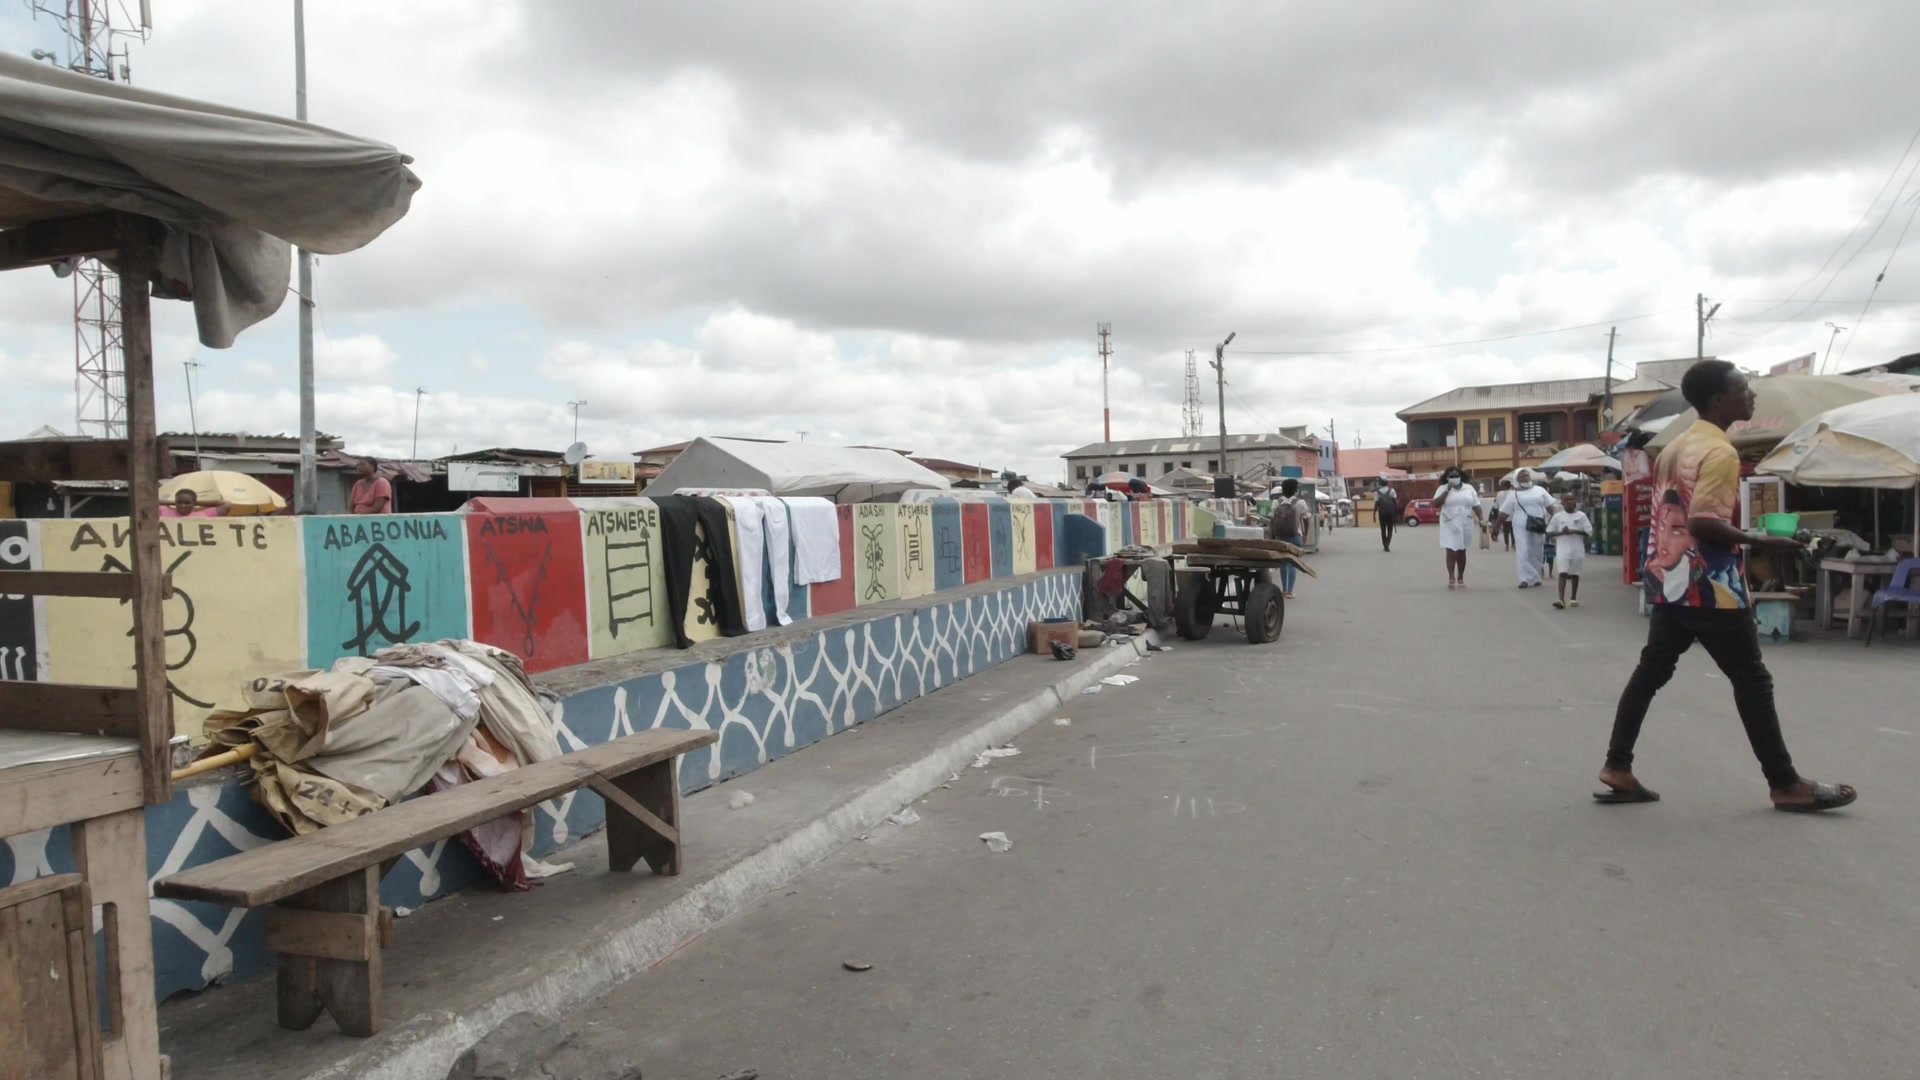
x=873, y=552
x=179, y=620
x=377, y=587
x=628, y=582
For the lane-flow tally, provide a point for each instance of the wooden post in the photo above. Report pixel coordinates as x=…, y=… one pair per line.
x=137, y=257
x=328, y=953
x=111, y=853
x=637, y=804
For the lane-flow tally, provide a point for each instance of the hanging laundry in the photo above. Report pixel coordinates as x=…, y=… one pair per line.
x=748, y=521
x=681, y=545
x=816, y=540
x=779, y=555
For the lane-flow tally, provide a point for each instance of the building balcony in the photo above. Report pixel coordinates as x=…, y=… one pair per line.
x=1419, y=460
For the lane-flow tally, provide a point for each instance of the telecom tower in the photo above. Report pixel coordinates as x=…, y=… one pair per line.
x=96, y=31
x=1191, y=415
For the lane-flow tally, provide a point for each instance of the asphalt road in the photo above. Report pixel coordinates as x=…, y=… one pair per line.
x=1365, y=851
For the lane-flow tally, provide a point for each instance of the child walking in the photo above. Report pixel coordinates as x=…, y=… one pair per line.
x=1570, y=530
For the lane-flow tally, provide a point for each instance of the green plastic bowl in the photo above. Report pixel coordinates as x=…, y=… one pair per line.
x=1779, y=524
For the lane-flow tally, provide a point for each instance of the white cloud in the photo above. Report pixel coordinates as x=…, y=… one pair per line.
x=362, y=356
x=902, y=230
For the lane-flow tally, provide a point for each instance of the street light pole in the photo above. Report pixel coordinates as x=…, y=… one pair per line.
x=1837, y=330
x=418, y=393
x=1220, y=386
x=575, y=406
x=307, y=492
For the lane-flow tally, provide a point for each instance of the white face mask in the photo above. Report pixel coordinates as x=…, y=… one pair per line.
x=1525, y=484
x=1453, y=481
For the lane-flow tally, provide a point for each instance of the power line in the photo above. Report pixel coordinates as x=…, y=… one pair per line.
x=1868, y=242
x=1864, y=214
x=1455, y=344
x=1899, y=240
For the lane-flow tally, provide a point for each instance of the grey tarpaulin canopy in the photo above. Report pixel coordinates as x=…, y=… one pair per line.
x=844, y=474
x=232, y=189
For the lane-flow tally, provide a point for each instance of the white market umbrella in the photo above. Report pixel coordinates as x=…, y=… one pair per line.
x=1873, y=443
x=1869, y=444
x=1585, y=457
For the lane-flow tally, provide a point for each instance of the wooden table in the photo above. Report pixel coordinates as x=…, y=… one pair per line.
x=1863, y=576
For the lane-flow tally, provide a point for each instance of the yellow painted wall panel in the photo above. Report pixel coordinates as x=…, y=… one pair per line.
x=235, y=614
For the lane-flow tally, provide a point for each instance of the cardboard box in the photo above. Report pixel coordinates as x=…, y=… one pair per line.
x=1042, y=635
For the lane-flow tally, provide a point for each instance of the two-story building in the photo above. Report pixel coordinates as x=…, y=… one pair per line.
x=1491, y=430
x=1269, y=453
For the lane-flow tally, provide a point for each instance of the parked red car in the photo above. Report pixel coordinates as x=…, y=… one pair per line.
x=1420, y=512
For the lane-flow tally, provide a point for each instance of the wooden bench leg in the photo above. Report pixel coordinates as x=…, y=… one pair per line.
x=643, y=817
x=111, y=853
x=328, y=942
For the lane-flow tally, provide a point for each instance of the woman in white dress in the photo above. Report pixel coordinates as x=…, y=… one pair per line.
x=1459, y=507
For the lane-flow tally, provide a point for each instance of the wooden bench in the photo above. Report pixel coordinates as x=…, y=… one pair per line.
x=322, y=890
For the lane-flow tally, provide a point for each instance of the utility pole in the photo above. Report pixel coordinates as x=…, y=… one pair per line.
x=575, y=406
x=418, y=393
x=1837, y=330
x=306, y=490
x=1106, y=398
x=1220, y=387
x=1606, y=410
x=192, y=417
x=1701, y=315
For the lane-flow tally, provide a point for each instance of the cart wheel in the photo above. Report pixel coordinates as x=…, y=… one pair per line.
x=1193, y=608
x=1266, y=610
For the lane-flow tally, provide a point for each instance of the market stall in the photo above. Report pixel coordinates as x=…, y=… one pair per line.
x=183, y=200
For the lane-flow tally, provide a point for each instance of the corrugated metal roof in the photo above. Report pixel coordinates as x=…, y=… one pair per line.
x=1266, y=440
x=1554, y=392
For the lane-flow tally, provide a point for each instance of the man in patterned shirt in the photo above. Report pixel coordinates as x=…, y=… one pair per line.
x=1699, y=593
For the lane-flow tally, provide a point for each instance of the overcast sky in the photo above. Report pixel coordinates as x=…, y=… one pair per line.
x=898, y=223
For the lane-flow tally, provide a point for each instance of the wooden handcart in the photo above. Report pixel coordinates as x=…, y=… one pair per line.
x=1232, y=577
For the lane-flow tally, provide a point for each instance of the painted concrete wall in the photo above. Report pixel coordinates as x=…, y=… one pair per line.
x=234, y=614
x=528, y=579
x=372, y=582
x=916, y=549
x=626, y=579
x=876, y=556
x=554, y=582
x=765, y=702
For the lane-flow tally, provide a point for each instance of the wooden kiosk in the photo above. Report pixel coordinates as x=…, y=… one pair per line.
x=206, y=200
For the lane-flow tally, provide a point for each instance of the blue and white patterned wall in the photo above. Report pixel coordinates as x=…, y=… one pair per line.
x=764, y=702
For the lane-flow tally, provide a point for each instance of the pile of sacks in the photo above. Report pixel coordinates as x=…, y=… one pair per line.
x=336, y=745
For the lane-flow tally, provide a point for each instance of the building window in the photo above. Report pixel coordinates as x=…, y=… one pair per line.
x=1473, y=433
x=1533, y=429
x=1166, y=467
x=1497, y=430
x=1186, y=464
x=1140, y=469
x=1080, y=472
x=1213, y=465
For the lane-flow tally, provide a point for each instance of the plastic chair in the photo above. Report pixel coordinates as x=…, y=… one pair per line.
x=1898, y=590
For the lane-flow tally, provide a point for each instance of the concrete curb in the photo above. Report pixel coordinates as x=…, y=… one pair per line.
x=425, y=1047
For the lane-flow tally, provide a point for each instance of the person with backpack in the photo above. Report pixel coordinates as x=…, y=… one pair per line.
x=1386, y=507
x=1289, y=517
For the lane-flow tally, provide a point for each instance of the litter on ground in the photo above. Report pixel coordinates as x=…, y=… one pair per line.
x=996, y=841
x=1120, y=680
x=980, y=760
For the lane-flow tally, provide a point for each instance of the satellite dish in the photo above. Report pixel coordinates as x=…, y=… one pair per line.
x=575, y=454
